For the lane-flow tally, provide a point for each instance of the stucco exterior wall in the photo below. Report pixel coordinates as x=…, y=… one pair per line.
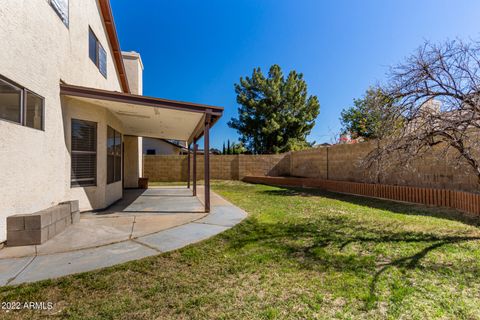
x=39, y=51
x=161, y=147
x=132, y=158
x=103, y=194
x=134, y=69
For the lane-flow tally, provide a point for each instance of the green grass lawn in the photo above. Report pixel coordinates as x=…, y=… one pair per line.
x=301, y=254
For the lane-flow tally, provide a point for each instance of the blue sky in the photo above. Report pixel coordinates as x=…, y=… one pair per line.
x=196, y=50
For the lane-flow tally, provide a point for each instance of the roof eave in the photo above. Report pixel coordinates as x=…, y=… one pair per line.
x=78, y=91
x=114, y=43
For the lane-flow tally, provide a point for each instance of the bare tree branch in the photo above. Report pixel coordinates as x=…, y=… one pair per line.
x=437, y=104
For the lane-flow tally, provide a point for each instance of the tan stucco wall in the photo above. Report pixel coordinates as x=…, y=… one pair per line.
x=102, y=195
x=38, y=51
x=160, y=146
x=132, y=157
x=134, y=70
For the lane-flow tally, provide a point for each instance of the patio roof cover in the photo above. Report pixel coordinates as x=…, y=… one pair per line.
x=147, y=116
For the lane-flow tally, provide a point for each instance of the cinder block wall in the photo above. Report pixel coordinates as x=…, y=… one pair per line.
x=165, y=168
x=345, y=163
x=223, y=167
x=339, y=162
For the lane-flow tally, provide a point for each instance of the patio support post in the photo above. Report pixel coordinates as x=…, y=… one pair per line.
x=188, y=166
x=206, y=160
x=195, y=147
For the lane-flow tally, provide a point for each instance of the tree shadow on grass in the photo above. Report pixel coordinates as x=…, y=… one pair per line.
x=412, y=262
x=375, y=203
x=320, y=246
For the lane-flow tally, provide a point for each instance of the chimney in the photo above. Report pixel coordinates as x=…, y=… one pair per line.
x=134, y=69
x=431, y=105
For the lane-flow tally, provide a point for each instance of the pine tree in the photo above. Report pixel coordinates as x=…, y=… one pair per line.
x=275, y=113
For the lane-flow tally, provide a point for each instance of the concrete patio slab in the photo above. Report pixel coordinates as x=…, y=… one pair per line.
x=215, y=199
x=168, y=192
x=17, y=252
x=9, y=268
x=226, y=216
x=165, y=204
x=145, y=225
x=57, y=265
x=157, y=200
x=88, y=233
x=114, y=236
x=179, y=237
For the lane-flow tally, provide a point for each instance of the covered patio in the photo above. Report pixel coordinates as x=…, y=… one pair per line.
x=150, y=117
x=139, y=213
x=144, y=223
x=156, y=200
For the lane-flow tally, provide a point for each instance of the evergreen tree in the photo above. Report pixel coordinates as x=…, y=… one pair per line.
x=275, y=113
x=365, y=118
x=238, y=148
x=223, y=149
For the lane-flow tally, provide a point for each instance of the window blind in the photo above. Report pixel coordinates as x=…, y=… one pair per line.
x=84, y=153
x=92, y=46
x=102, y=60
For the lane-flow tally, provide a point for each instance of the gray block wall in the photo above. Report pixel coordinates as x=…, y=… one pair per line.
x=38, y=227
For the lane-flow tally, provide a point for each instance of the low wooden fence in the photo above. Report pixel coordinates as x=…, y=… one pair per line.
x=463, y=201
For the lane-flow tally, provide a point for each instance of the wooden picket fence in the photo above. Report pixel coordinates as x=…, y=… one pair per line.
x=463, y=201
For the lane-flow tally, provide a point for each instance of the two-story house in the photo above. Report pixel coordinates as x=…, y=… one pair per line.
x=72, y=112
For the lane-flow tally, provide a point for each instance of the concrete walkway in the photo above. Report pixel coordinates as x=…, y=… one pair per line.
x=142, y=224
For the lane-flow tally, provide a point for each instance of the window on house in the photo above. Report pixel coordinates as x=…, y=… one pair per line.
x=20, y=105
x=151, y=152
x=33, y=110
x=10, y=102
x=84, y=153
x=92, y=46
x=97, y=53
x=114, y=155
x=61, y=8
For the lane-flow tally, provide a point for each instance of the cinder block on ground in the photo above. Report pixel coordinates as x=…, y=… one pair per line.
x=60, y=225
x=27, y=237
x=15, y=223
x=33, y=222
x=51, y=231
x=36, y=228
x=74, y=206
x=38, y=221
x=75, y=217
x=58, y=213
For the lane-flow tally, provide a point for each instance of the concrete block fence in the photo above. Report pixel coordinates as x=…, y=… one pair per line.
x=462, y=201
x=223, y=167
x=431, y=180
x=339, y=163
